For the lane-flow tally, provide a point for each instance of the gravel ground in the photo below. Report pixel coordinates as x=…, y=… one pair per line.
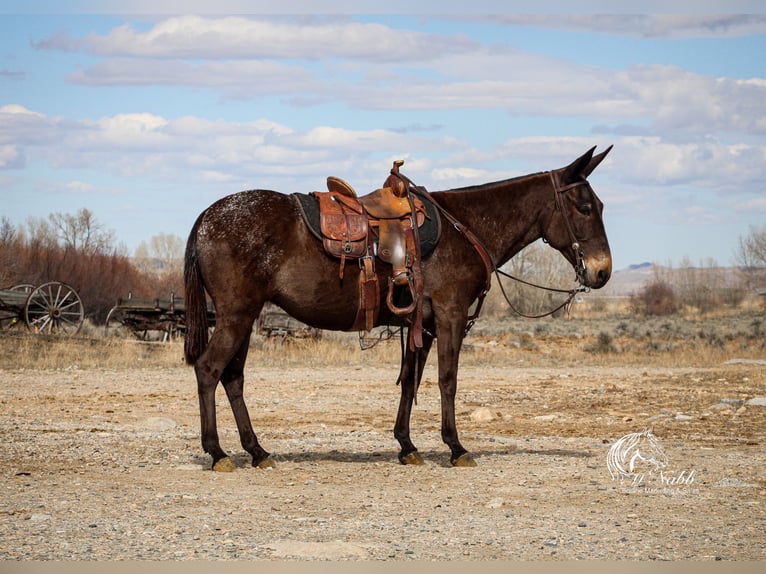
x=100, y=464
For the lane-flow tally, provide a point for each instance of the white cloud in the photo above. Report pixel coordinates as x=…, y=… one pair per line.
x=20, y=126
x=18, y=109
x=77, y=186
x=646, y=25
x=194, y=148
x=190, y=148
x=10, y=157
x=241, y=79
x=757, y=204
x=707, y=164
x=372, y=66
x=458, y=176
x=676, y=99
x=655, y=97
x=253, y=38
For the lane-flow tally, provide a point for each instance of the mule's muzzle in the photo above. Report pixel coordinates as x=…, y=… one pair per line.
x=598, y=270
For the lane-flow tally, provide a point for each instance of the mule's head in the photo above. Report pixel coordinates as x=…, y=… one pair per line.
x=576, y=228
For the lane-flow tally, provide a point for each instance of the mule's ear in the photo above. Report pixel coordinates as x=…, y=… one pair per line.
x=594, y=161
x=574, y=171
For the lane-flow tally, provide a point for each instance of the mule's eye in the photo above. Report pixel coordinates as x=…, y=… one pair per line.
x=584, y=209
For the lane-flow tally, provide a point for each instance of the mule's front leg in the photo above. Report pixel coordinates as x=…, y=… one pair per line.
x=410, y=376
x=450, y=340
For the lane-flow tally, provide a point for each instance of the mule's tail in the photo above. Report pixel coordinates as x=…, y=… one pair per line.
x=195, y=340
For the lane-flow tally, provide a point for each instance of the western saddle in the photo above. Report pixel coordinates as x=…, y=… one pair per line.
x=385, y=224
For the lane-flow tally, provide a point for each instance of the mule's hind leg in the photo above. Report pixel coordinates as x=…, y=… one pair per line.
x=224, y=345
x=207, y=381
x=233, y=380
x=408, y=380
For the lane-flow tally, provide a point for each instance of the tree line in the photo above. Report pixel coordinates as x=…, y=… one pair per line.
x=706, y=287
x=78, y=250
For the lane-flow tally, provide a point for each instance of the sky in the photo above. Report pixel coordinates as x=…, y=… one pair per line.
x=146, y=117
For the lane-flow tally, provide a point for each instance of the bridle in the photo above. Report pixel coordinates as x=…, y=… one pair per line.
x=490, y=266
x=557, y=193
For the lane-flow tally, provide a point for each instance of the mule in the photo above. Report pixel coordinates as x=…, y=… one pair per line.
x=253, y=247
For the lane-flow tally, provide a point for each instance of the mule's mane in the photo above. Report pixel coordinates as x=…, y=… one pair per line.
x=493, y=184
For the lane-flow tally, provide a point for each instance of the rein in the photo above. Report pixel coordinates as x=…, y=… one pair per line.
x=579, y=265
x=572, y=293
x=489, y=265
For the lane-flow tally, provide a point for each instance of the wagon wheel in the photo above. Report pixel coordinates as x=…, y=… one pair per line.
x=10, y=317
x=54, y=308
x=115, y=324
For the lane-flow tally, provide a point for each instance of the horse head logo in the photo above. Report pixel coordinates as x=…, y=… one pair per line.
x=636, y=453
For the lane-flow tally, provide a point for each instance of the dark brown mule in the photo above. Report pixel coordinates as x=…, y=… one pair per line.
x=253, y=247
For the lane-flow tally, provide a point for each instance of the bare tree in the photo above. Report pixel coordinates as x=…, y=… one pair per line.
x=163, y=254
x=8, y=231
x=39, y=233
x=752, y=249
x=168, y=249
x=82, y=232
x=8, y=236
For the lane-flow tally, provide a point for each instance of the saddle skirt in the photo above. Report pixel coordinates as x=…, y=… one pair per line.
x=429, y=224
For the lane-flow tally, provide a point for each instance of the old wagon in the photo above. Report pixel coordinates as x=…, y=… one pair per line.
x=53, y=308
x=150, y=319
x=274, y=322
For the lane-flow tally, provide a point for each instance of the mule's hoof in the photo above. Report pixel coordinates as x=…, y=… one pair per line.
x=464, y=460
x=413, y=458
x=224, y=465
x=267, y=462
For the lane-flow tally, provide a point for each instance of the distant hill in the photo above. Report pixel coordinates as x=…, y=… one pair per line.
x=629, y=281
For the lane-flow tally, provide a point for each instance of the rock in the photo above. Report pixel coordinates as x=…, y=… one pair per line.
x=683, y=417
x=734, y=483
x=745, y=362
x=733, y=402
x=757, y=402
x=190, y=466
x=482, y=414
x=158, y=424
x=332, y=550
x=546, y=417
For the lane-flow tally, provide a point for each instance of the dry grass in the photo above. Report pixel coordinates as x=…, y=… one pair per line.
x=26, y=351
x=608, y=337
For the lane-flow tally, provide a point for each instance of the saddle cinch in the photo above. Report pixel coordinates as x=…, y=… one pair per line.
x=383, y=224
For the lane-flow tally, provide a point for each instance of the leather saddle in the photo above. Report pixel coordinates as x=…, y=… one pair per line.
x=384, y=225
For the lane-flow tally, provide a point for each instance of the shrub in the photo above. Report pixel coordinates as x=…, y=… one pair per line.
x=602, y=345
x=656, y=298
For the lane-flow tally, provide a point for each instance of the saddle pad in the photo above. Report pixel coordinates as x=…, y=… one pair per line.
x=429, y=232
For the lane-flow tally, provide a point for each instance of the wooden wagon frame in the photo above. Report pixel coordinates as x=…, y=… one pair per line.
x=53, y=308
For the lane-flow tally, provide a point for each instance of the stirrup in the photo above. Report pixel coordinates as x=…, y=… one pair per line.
x=400, y=311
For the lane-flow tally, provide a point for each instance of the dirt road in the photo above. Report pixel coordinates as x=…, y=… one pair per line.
x=103, y=464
